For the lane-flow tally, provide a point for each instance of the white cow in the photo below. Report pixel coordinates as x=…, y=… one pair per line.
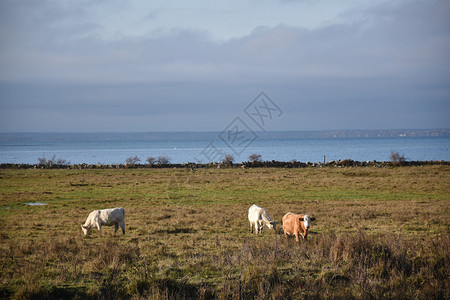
x=107, y=217
x=258, y=217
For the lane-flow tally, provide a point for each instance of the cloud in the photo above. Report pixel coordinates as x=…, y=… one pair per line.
x=390, y=60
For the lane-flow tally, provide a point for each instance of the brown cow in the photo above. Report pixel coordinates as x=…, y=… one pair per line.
x=295, y=224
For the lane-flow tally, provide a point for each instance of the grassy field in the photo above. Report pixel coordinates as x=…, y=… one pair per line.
x=379, y=233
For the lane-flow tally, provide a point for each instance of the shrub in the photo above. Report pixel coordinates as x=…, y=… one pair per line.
x=52, y=161
x=255, y=157
x=151, y=160
x=42, y=161
x=228, y=159
x=397, y=157
x=132, y=160
x=163, y=160
x=346, y=163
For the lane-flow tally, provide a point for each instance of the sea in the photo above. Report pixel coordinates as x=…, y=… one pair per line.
x=205, y=147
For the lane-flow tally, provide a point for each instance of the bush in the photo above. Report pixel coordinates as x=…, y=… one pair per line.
x=346, y=163
x=163, y=160
x=255, y=157
x=397, y=157
x=132, y=160
x=52, y=161
x=228, y=160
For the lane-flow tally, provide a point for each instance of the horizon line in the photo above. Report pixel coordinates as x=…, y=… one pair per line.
x=218, y=131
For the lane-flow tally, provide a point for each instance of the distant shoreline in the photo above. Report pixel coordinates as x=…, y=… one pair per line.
x=346, y=163
x=291, y=134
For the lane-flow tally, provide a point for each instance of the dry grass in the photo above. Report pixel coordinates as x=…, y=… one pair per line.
x=380, y=233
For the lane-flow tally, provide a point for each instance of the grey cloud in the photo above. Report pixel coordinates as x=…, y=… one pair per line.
x=392, y=59
x=343, y=50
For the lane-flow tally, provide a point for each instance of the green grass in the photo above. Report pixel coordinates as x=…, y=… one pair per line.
x=380, y=232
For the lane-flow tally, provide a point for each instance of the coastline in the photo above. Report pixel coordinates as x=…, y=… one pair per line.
x=346, y=163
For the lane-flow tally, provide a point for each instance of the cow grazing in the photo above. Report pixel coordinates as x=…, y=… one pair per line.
x=106, y=217
x=296, y=224
x=258, y=217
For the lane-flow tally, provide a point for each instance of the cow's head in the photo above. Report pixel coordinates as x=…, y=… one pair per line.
x=272, y=225
x=86, y=229
x=306, y=219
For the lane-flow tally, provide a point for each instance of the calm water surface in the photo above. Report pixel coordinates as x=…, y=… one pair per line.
x=180, y=147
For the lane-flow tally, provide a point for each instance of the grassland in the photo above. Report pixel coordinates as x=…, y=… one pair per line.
x=379, y=233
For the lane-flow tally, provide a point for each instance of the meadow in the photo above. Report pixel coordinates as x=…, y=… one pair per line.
x=379, y=233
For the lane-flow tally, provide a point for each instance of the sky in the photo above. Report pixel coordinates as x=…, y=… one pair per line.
x=94, y=66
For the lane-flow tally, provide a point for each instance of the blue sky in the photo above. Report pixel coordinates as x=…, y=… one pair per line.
x=183, y=65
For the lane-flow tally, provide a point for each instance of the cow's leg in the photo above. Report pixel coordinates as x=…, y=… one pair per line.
x=260, y=225
x=116, y=227
x=286, y=235
x=122, y=225
x=251, y=227
x=296, y=237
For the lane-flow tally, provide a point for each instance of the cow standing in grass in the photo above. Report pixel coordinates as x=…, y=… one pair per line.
x=106, y=217
x=296, y=224
x=258, y=217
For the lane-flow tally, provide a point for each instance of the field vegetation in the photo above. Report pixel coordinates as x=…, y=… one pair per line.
x=379, y=233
